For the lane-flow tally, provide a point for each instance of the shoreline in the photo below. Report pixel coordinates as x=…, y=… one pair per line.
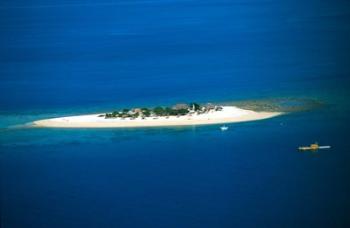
x=228, y=114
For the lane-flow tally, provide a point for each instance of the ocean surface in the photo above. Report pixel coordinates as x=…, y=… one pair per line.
x=65, y=57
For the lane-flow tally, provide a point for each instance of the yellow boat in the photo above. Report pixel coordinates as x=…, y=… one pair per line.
x=313, y=147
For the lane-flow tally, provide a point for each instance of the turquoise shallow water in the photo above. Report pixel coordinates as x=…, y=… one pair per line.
x=69, y=58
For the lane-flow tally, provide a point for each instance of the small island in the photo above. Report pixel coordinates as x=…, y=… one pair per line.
x=177, y=115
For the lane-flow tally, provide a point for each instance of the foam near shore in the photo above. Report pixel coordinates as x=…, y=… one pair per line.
x=228, y=114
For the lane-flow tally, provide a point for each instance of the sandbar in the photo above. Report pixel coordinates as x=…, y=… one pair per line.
x=228, y=114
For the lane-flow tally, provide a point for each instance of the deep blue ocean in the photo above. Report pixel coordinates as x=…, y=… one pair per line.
x=73, y=57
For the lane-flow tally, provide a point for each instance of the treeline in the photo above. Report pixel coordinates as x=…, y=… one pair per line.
x=177, y=110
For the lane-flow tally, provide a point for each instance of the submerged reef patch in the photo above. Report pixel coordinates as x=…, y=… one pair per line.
x=289, y=104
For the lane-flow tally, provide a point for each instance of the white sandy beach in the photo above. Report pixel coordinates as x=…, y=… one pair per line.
x=229, y=114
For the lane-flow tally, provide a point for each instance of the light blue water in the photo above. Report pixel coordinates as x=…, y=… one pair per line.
x=62, y=58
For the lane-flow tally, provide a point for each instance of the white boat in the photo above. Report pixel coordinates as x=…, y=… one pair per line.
x=224, y=128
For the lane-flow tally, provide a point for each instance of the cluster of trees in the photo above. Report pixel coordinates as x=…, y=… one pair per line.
x=126, y=113
x=195, y=106
x=160, y=111
x=157, y=111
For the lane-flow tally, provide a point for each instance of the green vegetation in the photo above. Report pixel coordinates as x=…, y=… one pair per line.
x=182, y=112
x=167, y=111
x=159, y=111
x=146, y=112
x=176, y=110
x=195, y=106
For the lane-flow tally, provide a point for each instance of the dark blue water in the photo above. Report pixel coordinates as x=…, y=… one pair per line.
x=70, y=57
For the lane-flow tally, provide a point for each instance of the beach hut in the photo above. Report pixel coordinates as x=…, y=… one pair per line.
x=180, y=106
x=218, y=108
x=209, y=106
x=137, y=110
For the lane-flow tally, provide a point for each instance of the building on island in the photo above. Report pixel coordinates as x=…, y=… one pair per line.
x=180, y=106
